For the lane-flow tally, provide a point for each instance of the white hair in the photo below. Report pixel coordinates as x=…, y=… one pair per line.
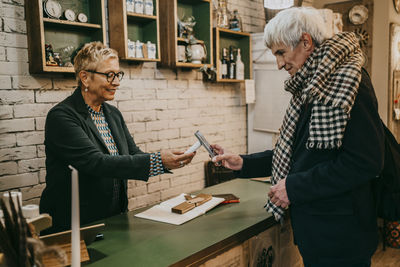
x=288, y=25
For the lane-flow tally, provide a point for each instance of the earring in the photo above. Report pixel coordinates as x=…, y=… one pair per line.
x=86, y=90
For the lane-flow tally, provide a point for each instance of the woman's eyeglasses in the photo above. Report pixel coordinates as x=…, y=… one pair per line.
x=110, y=75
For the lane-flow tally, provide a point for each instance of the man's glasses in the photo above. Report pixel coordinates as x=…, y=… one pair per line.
x=110, y=75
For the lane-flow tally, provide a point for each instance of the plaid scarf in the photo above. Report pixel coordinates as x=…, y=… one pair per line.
x=329, y=80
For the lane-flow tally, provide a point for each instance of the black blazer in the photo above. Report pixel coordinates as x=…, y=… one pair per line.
x=332, y=209
x=71, y=138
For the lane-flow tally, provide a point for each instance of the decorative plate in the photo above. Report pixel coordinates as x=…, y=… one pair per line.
x=52, y=8
x=358, y=14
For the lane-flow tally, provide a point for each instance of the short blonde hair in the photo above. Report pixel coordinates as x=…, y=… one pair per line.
x=90, y=56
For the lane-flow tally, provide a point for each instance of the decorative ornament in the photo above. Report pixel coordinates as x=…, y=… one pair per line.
x=358, y=14
x=52, y=8
x=82, y=18
x=69, y=14
x=362, y=36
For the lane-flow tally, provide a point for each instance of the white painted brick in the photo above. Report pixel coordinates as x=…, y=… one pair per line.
x=178, y=123
x=5, y=82
x=144, y=116
x=2, y=50
x=15, y=97
x=187, y=131
x=136, y=127
x=42, y=176
x=143, y=93
x=149, y=65
x=12, y=68
x=127, y=116
x=53, y=96
x=156, y=104
x=168, y=134
x=8, y=168
x=17, y=153
x=143, y=73
x=156, y=125
x=31, y=165
x=30, y=82
x=136, y=191
x=157, y=146
x=14, y=25
x=40, y=123
x=155, y=84
x=146, y=137
x=32, y=192
x=12, y=11
x=167, y=94
x=154, y=187
x=165, y=74
x=181, y=142
x=171, y=192
x=177, y=84
x=41, y=152
x=31, y=110
x=190, y=74
x=18, y=180
x=125, y=94
x=199, y=102
x=65, y=84
x=167, y=114
x=177, y=181
x=134, y=105
x=197, y=85
x=143, y=201
x=7, y=140
x=6, y=112
x=30, y=138
x=17, y=125
x=178, y=104
x=13, y=40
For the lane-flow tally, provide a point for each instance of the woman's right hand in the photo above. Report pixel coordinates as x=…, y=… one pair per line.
x=228, y=160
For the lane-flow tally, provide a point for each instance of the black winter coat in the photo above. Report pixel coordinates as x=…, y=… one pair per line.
x=332, y=208
x=71, y=138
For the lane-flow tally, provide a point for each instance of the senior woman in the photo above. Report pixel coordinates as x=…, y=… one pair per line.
x=91, y=135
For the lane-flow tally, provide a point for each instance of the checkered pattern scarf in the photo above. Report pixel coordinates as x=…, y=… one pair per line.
x=328, y=80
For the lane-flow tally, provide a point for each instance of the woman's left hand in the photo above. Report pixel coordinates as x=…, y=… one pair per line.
x=173, y=159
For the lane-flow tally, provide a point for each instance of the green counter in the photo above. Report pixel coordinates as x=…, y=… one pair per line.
x=132, y=241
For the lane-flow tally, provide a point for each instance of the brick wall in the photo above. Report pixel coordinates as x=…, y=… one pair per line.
x=162, y=108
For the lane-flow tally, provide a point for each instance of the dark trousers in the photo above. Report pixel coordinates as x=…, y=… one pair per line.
x=366, y=263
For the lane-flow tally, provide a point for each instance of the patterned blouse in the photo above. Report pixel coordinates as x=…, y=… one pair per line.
x=99, y=120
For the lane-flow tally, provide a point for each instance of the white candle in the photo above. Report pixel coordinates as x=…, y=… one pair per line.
x=75, y=222
x=16, y=198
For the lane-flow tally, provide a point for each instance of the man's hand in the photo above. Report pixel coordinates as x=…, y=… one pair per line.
x=173, y=159
x=228, y=160
x=278, y=194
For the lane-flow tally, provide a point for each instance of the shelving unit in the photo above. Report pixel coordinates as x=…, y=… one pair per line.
x=173, y=10
x=225, y=38
x=125, y=25
x=61, y=33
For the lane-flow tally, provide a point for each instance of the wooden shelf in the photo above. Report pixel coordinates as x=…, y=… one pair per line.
x=59, y=69
x=225, y=38
x=173, y=10
x=181, y=39
x=191, y=65
x=64, y=23
x=61, y=33
x=133, y=26
x=136, y=16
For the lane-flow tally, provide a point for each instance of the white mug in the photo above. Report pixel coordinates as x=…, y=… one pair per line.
x=181, y=53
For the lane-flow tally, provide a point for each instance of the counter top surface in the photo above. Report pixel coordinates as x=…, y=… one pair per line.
x=132, y=241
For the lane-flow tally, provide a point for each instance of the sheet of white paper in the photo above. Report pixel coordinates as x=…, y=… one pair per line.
x=250, y=91
x=163, y=213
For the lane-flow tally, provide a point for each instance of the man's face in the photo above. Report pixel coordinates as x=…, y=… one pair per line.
x=292, y=59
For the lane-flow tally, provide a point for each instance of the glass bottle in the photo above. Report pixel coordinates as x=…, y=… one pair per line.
x=224, y=64
x=239, y=66
x=222, y=15
x=235, y=23
x=231, y=64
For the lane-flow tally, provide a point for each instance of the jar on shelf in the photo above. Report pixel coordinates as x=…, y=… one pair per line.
x=222, y=15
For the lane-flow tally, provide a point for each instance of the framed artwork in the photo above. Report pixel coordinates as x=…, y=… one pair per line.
x=394, y=81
